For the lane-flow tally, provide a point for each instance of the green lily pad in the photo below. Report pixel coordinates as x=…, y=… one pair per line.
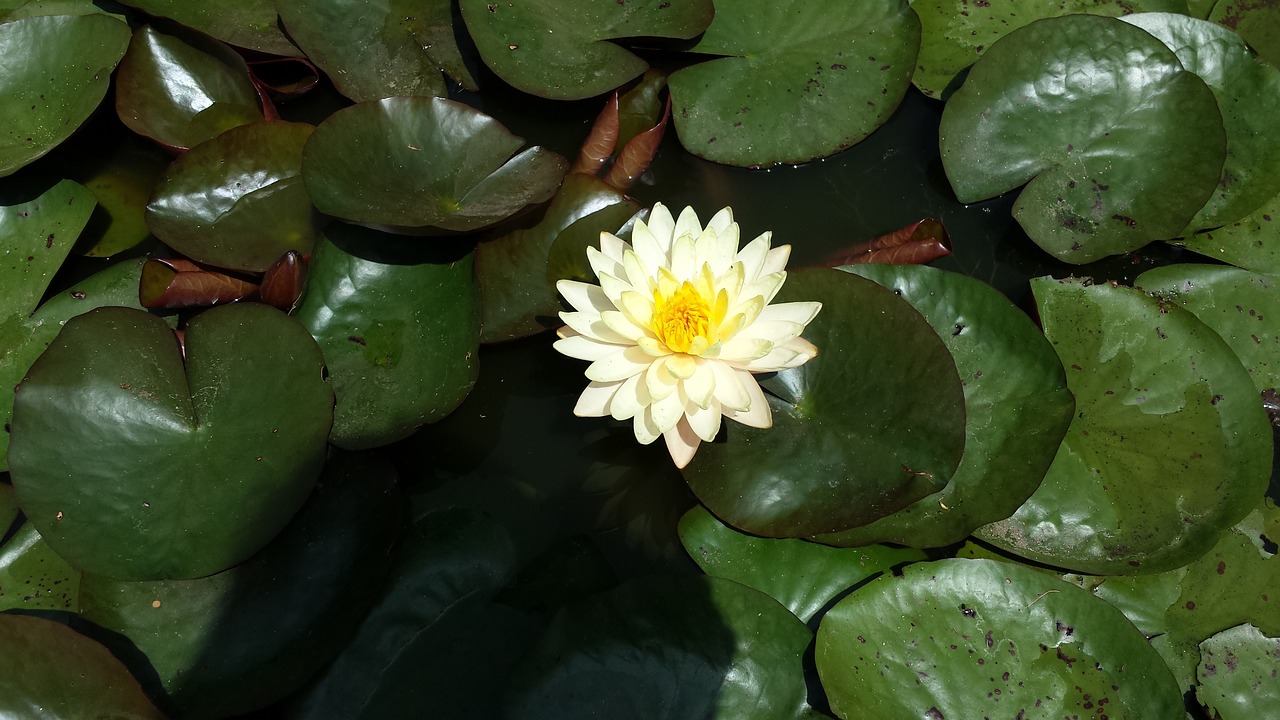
x=872, y=424
x=236, y=641
x=954, y=33
x=246, y=23
x=1017, y=407
x=402, y=345
x=1257, y=22
x=979, y=638
x=1168, y=448
x=1121, y=150
x=1248, y=93
x=1252, y=243
x=65, y=68
x=1241, y=306
x=37, y=237
x=671, y=647
x=560, y=48
x=18, y=9
x=51, y=672
x=414, y=163
x=801, y=575
x=1237, y=674
x=8, y=509
x=182, y=88
x=513, y=270
x=33, y=577
x=238, y=201
x=373, y=50
x=133, y=466
x=824, y=84
x=121, y=180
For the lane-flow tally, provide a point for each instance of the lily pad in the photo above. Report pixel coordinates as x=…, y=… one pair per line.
x=56, y=72
x=1017, y=407
x=182, y=88
x=413, y=163
x=236, y=641
x=33, y=577
x=135, y=464
x=401, y=345
x=1237, y=674
x=246, y=23
x=1242, y=306
x=121, y=180
x=872, y=424
x=238, y=201
x=18, y=9
x=48, y=670
x=1248, y=93
x=954, y=33
x=805, y=577
x=980, y=638
x=1257, y=22
x=671, y=647
x=824, y=84
x=1168, y=448
x=373, y=50
x=560, y=48
x=1117, y=144
x=1252, y=243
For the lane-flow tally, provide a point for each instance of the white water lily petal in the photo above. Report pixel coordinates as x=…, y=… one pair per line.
x=619, y=324
x=743, y=349
x=662, y=225
x=584, y=297
x=776, y=260
x=687, y=225
x=649, y=248
x=584, y=348
x=653, y=347
x=659, y=381
x=796, y=312
x=636, y=273
x=682, y=443
x=701, y=386
x=631, y=398
x=644, y=428
x=704, y=421
x=681, y=366
x=614, y=287
x=714, y=252
x=593, y=326
x=722, y=221
x=612, y=245
x=618, y=366
x=637, y=308
x=729, y=389
x=596, y=399
x=779, y=358
x=603, y=264
x=753, y=255
x=683, y=252
x=758, y=415
x=667, y=411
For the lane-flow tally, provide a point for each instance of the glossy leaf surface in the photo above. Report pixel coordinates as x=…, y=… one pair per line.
x=1257, y=22
x=844, y=450
x=177, y=283
x=1121, y=150
x=1252, y=243
x=136, y=465
x=1237, y=674
x=1168, y=448
x=33, y=577
x=787, y=97
x=246, y=23
x=415, y=163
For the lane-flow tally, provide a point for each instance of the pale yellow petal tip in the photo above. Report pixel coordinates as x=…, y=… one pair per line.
x=682, y=443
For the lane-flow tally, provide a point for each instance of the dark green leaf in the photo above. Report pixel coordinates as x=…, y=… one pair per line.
x=134, y=466
x=18, y=9
x=246, y=23
x=238, y=201
x=33, y=577
x=1117, y=144
x=57, y=70
x=414, y=162
x=402, y=344
x=121, y=180
x=823, y=84
x=872, y=424
x=1168, y=448
x=1257, y=22
x=1237, y=674
x=979, y=638
x=560, y=48
x=1249, y=243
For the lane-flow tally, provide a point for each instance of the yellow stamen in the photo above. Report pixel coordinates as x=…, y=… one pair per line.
x=681, y=316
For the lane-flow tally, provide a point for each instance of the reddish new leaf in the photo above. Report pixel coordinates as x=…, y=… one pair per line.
x=599, y=145
x=636, y=155
x=282, y=282
x=916, y=244
x=283, y=77
x=177, y=283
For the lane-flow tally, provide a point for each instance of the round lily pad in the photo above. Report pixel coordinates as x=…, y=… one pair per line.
x=57, y=70
x=246, y=23
x=33, y=577
x=1257, y=22
x=1117, y=144
x=414, y=162
x=872, y=424
x=787, y=97
x=238, y=200
x=1017, y=407
x=1169, y=445
x=1249, y=243
x=980, y=638
x=135, y=463
x=1237, y=674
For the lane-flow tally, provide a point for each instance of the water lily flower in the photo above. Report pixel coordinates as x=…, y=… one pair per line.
x=678, y=324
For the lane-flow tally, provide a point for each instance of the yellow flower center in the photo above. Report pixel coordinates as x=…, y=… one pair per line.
x=682, y=317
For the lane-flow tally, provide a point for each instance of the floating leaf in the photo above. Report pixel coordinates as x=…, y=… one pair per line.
x=132, y=465
x=1237, y=674
x=33, y=577
x=121, y=180
x=872, y=424
x=560, y=48
x=414, y=163
x=672, y=647
x=177, y=283
x=634, y=157
x=601, y=142
x=373, y=50
x=47, y=670
x=246, y=23
x=1168, y=448
x=1117, y=152
x=182, y=88
x=18, y=9
x=920, y=242
x=1257, y=22
x=979, y=638
x=1017, y=407
x=238, y=201
x=282, y=283
x=822, y=85
x=401, y=345
x=57, y=71
x=1252, y=243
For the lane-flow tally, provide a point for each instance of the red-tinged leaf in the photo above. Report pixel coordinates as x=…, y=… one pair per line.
x=918, y=243
x=177, y=283
x=638, y=108
x=284, y=77
x=636, y=155
x=282, y=282
x=599, y=145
